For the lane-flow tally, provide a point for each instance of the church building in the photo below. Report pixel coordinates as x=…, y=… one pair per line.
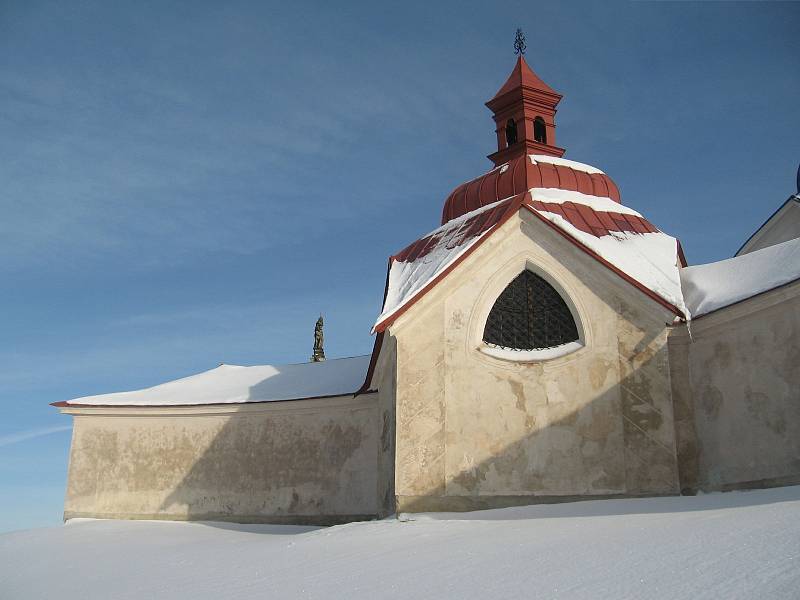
x=545, y=343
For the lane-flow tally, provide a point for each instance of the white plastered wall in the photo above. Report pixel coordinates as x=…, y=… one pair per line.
x=476, y=431
x=301, y=461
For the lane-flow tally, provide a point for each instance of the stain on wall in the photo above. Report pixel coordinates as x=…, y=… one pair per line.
x=274, y=464
x=474, y=431
x=738, y=394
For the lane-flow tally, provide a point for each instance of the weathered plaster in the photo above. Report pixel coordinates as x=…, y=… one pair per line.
x=472, y=428
x=300, y=461
x=384, y=380
x=737, y=394
x=638, y=409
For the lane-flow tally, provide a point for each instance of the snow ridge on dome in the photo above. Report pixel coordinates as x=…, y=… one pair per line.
x=524, y=173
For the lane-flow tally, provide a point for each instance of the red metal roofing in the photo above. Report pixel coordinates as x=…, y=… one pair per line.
x=455, y=236
x=647, y=291
x=585, y=218
x=596, y=222
x=523, y=76
x=518, y=176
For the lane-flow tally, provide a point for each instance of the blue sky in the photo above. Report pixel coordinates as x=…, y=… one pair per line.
x=189, y=183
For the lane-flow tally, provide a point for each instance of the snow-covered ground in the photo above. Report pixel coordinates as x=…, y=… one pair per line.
x=735, y=545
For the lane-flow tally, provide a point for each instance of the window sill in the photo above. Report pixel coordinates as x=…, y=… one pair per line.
x=524, y=356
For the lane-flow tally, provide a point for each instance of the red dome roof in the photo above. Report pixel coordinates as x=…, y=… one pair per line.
x=523, y=173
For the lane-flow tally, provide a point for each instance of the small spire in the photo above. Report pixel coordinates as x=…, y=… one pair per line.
x=319, y=352
x=519, y=43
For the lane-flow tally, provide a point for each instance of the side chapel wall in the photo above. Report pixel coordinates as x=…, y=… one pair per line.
x=736, y=384
x=302, y=461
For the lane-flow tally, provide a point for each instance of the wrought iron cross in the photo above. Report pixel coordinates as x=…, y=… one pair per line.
x=519, y=43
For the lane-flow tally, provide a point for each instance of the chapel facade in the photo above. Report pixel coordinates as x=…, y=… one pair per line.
x=545, y=343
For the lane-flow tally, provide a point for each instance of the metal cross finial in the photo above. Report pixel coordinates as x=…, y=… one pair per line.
x=519, y=43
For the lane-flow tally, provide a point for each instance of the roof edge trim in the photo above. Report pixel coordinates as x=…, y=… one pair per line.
x=67, y=404
x=516, y=202
x=643, y=288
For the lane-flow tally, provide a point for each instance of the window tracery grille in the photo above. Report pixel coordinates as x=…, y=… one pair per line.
x=530, y=315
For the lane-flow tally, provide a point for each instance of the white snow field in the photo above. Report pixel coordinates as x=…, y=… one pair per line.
x=734, y=545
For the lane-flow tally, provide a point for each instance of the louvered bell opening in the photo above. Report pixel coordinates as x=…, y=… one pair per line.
x=530, y=315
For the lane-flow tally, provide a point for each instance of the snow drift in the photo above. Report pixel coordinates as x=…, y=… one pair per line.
x=736, y=545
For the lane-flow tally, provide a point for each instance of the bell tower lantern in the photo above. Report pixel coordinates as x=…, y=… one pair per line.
x=524, y=113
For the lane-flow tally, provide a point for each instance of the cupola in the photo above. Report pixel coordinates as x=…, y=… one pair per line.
x=524, y=114
x=524, y=111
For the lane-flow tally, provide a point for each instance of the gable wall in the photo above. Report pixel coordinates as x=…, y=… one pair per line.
x=475, y=431
x=784, y=225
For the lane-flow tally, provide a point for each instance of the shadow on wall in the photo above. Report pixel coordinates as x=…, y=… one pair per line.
x=620, y=443
x=738, y=407
x=627, y=506
x=290, y=463
x=318, y=466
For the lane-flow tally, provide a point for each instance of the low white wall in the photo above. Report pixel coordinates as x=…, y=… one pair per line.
x=736, y=384
x=298, y=461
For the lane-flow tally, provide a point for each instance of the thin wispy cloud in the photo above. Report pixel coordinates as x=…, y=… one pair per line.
x=21, y=436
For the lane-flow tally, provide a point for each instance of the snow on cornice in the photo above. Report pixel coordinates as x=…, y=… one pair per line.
x=563, y=162
x=416, y=267
x=597, y=203
x=712, y=286
x=650, y=259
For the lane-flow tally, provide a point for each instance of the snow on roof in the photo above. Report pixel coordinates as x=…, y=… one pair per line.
x=563, y=162
x=596, y=203
x=523, y=173
x=232, y=384
x=412, y=269
x=709, y=287
x=619, y=235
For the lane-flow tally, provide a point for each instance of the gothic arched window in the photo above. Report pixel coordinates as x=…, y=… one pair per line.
x=530, y=315
x=511, y=132
x=539, y=130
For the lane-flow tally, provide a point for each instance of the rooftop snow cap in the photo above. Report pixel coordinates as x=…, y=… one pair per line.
x=233, y=384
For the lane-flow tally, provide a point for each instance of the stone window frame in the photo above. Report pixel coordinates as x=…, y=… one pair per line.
x=492, y=290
